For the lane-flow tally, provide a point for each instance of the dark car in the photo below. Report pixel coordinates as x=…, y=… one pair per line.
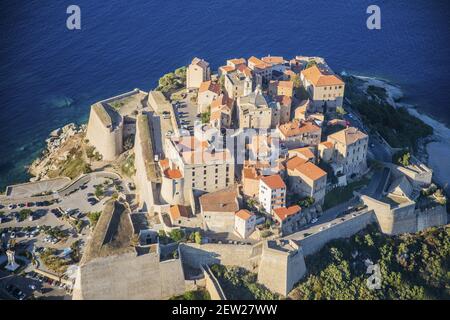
x=30, y=204
x=92, y=201
x=56, y=212
x=15, y=292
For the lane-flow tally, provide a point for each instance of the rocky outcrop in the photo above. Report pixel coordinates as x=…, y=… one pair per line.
x=53, y=151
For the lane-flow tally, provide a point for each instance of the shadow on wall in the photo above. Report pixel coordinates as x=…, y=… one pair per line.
x=196, y=257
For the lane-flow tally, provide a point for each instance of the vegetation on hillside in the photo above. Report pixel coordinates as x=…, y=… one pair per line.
x=395, y=125
x=73, y=166
x=200, y=294
x=240, y=284
x=93, y=217
x=402, y=158
x=172, y=81
x=413, y=266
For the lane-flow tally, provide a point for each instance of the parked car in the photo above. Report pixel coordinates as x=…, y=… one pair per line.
x=92, y=201
x=313, y=220
x=15, y=292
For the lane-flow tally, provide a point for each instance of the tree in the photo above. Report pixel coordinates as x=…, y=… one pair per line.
x=310, y=64
x=93, y=217
x=306, y=202
x=24, y=213
x=297, y=81
x=176, y=235
x=99, y=192
x=198, y=237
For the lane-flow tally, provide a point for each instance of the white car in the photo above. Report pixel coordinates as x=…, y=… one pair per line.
x=313, y=220
x=13, y=235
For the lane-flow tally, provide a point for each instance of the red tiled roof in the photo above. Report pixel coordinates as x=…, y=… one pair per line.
x=295, y=128
x=244, y=214
x=274, y=182
x=317, y=78
x=282, y=213
x=177, y=212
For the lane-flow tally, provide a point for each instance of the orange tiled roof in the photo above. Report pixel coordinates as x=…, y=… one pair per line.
x=317, y=78
x=327, y=144
x=244, y=214
x=305, y=152
x=245, y=70
x=273, y=60
x=237, y=61
x=224, y=200
x=282, y=213
x=250, y=173
x=347, y=136
x=294, y=162
x=177, y=212
x=274, y=181
x=209, y=86
x=227, y=69
x=310, y=170
x=295, y=128
x=258, y=63
x=173, y=173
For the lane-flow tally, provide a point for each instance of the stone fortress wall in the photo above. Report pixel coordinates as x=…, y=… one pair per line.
x=105, y=131
x=404, y=218
x=314, y=242
x=142, y=178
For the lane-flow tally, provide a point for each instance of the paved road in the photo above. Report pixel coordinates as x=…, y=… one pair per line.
x=376, y=147
x=322, y=224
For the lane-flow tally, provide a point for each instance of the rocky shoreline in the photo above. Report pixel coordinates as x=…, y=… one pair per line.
x=440, y=138
x=53, y=152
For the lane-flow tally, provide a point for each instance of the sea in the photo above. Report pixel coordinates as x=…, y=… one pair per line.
x=50, y=75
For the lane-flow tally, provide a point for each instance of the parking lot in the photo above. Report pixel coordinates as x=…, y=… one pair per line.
x=54, y=224
x=24, y=287
x=186, y=113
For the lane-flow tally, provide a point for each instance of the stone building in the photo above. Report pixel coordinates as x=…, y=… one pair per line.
x=289, y=219
x=207, y=92
x=306, y=179
x=325, y=89
x=105, y=131
x=238, y=83
x=204, y=168
x=218, y=209
x=272, y=192
x=197, y=72
x=113, y=267
x=254, y=111
x=296, y=134
x=244, y=223
x=350, y=150
x=282, y=265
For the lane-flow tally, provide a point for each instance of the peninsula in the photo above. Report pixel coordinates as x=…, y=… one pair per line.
x=251, y=170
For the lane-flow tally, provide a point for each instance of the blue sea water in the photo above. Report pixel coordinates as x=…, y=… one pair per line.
x=49, y=76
